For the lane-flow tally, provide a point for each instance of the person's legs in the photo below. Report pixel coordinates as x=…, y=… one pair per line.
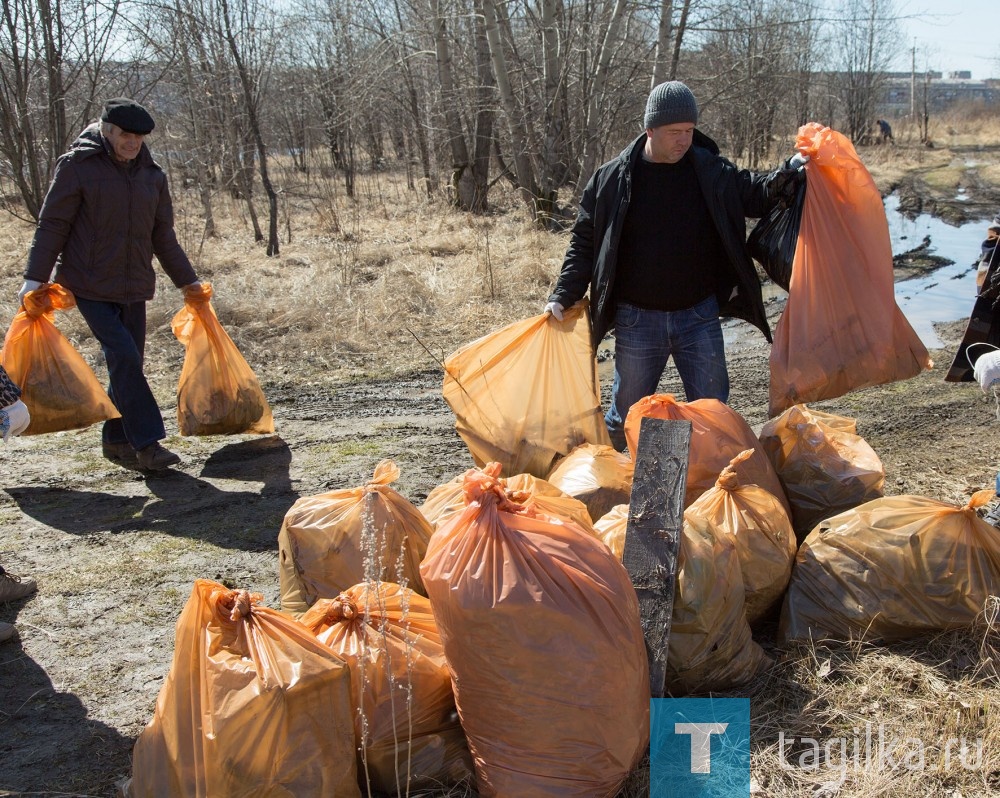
x=699, y=351
x=641, y=352
x=121, y=331
x=13, y=588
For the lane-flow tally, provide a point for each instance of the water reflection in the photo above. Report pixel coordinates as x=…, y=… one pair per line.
x=946, y=294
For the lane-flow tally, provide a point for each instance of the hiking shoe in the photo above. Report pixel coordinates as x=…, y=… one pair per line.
x=7, y=631
x=121, y=453
x=155, y=458
x=13, y=587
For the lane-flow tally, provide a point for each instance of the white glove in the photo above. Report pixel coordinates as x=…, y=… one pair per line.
x=798, y=160
x=29, y=285
x=14, y=420
x=555, y=309
x=987, y=369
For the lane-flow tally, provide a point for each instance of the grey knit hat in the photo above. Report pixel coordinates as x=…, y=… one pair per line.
x=669, y=103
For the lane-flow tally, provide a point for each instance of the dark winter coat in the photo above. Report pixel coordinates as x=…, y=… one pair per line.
x=101, y=223
x=731, y=194
x=984, y=322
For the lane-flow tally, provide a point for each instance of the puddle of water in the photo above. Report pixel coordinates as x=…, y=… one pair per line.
x=946, y=294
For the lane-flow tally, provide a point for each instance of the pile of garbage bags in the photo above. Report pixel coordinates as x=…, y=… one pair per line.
x=491, y=637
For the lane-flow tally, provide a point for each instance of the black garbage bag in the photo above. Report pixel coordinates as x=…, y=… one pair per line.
x=773, y=239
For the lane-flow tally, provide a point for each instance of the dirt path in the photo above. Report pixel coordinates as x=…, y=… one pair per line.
x=115, y=554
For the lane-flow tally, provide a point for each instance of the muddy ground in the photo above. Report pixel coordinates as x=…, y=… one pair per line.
x=115, y=552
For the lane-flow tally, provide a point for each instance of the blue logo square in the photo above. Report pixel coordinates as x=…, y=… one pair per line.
x=699, y=747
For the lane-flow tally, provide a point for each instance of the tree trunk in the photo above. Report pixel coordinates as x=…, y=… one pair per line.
x=462, y=188
x=250, y=102
x=523, y=170
x=679, y=38
x=663, y=31
x=485, y=101
x=597, y=99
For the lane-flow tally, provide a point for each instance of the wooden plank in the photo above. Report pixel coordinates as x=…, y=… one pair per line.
x=653, y=534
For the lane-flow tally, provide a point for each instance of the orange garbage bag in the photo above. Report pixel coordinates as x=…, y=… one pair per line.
x=448, y=500
x=528, y=394
x=540, y=626
x=407, y=731
x=58, y=387
x=218, y=393
x=761, y=529
x=333, y=541
x=597, y=475
x=610, y=528
x=825, y=466
x=718, y=434
x=893, y=568
x=841, y=329
x=710, y=646
x=254, y=705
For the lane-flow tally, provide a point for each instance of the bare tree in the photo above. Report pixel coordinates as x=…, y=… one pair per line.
x=867, y=41
x=53, y=72
x=753, y=57
x=250, y=38
x=405, y=44
x=495, y=21
x=470, y=173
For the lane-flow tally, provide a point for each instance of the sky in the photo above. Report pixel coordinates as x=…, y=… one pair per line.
x=952, y=35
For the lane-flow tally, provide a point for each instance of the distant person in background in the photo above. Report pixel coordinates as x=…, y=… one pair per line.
x=884, y=131
x=14, y=419
x=106, y=213
x=660, y=243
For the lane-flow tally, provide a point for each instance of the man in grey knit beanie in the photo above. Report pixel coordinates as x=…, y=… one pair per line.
x=660, y=243
x=670, y=103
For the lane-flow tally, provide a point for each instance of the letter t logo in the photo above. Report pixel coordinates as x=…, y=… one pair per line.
x=701, y=743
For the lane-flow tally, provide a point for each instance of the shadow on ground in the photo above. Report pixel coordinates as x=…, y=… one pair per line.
x=183, y=505
x=46, y=739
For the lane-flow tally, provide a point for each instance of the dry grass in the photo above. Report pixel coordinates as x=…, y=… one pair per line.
x=919, y=694
x=390, y=281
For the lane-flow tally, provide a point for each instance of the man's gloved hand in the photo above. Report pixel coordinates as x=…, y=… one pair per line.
x=785, y=179
x=29, y=285
x=14, y=420
x=987, y=369
x=555, y=309
x=797, y=160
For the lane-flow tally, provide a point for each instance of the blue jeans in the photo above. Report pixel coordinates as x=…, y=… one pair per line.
x=121, y=331
x=645, y=339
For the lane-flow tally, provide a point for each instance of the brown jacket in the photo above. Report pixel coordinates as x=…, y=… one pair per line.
x=102, y=222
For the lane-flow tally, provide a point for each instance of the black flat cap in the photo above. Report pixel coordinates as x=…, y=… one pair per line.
x=128, y=115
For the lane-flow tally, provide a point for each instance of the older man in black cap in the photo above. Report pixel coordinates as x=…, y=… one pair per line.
x=660, y=242
x=106, y=213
